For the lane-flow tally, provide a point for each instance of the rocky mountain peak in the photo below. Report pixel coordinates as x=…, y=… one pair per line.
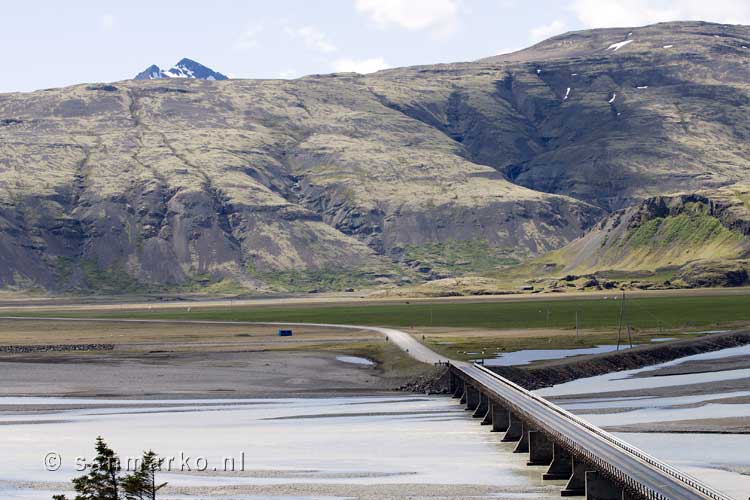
x=185, y=68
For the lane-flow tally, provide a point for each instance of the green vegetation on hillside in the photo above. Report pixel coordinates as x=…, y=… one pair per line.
x=659, y=237
x=113, y=279
x=319, y=280
x=454, y=257
x=686, y=230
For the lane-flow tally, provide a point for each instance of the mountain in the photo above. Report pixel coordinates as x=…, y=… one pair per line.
x=185, y=68
x=668, y=233
x=342, y=180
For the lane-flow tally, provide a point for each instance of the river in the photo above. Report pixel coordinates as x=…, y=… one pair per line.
x=353, y=447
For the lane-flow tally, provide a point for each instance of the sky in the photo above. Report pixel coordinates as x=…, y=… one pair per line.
x=52, y=43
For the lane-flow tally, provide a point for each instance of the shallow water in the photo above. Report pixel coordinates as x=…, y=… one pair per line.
x=385, y=440
x=527, y=356
x=580, y=405
x=706, y=456
x=624, y=380
x=356, y=360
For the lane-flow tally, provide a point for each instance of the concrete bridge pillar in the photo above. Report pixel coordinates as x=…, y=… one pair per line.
x=500, y=418
x=577, y=483
x=456, y=386
x=540, y=449
x=481, y=409
x=515, y=428
x=599, y=487
x=472, y=397
x=487, y=420
x=561, y=466
x=523, y=443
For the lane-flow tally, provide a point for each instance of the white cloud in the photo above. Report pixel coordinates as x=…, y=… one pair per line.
x=312, y=37
x=248, y=39
x=540, y=33
x=106, y=22
x=607, y=13
x=363, y=66
x=438, y=16
x=288, y=74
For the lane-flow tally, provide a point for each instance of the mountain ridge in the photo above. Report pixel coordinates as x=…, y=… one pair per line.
x=344, y=180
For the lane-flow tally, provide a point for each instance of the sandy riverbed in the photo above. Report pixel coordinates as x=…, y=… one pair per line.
x=368, y=448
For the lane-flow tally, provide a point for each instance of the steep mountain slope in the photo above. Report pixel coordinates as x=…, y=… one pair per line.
x=177, y=182
x=665, y=231
x=607, y=116
x=142, y=182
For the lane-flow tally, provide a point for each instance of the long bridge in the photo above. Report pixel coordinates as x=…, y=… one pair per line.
x=594, y=463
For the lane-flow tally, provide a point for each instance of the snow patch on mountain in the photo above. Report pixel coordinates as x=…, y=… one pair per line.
x=185, y=68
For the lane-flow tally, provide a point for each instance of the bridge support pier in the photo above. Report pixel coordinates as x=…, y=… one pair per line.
x=500, y=418
x=481, y=409
x=599, y=487
x=523, y=443
x=577, y=483
x=472, y=397
x=487, y=420
x=540, y=449
x=456, y=386
x=514, y=430
x=561, y=466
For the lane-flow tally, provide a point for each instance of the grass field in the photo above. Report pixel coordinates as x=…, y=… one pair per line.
x=460, y=330
x=645, y=313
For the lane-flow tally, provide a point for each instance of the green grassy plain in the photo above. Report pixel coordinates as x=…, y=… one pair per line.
x=465, y=330
x=596, y=313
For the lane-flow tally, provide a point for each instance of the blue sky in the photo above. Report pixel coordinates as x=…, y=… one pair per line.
x=53, y=43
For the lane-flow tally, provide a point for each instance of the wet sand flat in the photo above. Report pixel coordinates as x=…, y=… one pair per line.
x=180, y=374
x=366, y=448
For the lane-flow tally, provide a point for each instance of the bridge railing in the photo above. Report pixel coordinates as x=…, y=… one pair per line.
x=645, y=457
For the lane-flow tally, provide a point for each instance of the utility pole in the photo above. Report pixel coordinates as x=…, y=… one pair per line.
x=627, y=320
x=630, y=339
x=619, y=325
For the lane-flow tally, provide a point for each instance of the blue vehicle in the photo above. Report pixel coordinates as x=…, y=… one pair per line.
x=285, y=333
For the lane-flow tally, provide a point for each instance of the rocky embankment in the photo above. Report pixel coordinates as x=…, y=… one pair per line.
x=27, y=349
